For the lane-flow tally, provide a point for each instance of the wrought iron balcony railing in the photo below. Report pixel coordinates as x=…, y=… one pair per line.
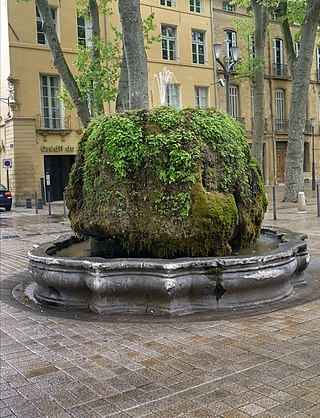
x=280, y=70
x=53, y=123
x=281, y=125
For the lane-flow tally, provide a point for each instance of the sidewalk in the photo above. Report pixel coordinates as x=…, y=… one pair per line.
x=82, y=365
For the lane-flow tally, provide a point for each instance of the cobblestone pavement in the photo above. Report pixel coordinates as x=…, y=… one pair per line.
x=262, y=365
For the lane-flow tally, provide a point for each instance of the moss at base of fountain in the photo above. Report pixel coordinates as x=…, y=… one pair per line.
x=167, y=183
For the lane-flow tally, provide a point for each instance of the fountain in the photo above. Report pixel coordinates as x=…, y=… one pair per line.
x=158, y=208
x=164, y=78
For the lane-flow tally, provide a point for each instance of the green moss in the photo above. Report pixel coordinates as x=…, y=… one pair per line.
x=167, y=183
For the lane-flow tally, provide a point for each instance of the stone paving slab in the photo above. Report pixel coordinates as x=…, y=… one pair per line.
x=52, y=365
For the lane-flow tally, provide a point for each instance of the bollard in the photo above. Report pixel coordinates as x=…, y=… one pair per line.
x=64, y=205
x=43, y=194
x=49, y=201
x=318, y=200
x=302, y=204
x=274, y=203
x=36, y=200
x=40, y=205
x=28, y=203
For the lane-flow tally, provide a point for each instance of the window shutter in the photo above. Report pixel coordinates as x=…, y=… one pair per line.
x=234, y=38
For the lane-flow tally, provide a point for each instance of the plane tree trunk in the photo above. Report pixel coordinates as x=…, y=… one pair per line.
x=135, y=54
x=260, y=29
x=300, y=69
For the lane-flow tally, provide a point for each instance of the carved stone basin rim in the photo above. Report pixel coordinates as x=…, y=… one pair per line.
x=168, y=286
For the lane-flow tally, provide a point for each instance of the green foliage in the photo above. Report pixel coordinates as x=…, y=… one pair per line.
x=103, y=5
x=148, y=27
x=248, y=65
x=98, y=77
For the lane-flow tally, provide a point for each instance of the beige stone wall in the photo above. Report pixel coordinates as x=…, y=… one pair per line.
x=28, y=60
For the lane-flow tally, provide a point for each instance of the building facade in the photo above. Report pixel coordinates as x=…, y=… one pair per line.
x=38, y=137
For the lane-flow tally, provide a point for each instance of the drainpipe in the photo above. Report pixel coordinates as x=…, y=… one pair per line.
x=274, y=149
x=215, y=76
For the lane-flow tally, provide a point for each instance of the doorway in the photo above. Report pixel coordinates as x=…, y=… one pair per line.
x=58, y=167
x=281, y=160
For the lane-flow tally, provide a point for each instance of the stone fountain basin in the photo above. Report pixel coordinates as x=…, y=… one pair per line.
x=168, y=286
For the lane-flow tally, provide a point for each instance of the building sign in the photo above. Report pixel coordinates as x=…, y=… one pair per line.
x=57, y=148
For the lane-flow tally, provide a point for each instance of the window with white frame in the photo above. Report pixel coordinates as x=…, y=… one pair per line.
x=201, y=96
x=228, y=7
x=173, y=95
x=50, y=103
x=234, y=101
x=230, y=40
x=169, y=3
x=318, y=62
x=169, y=43
x=197, y=47
x=196, y=6
x=84, y=29
x=41, y=37
x=278, y=57
x=280, y=110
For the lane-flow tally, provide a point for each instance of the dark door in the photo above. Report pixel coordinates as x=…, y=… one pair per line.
x=281, y=160
x=58, y=167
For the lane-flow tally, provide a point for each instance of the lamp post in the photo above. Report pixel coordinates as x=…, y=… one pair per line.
x=313, y=171
x=226, y=68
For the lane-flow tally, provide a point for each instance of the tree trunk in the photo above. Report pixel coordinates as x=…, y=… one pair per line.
x=94, y=15
x=135, y=54
x=123, y=87
x=60, y=63
x=298, y=103
x=260, y=28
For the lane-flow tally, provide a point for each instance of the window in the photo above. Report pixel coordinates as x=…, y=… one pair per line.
x=84, y=28
x=233, y=99
x=228, y=7
x=251, y=47
x=197, y=47
x=201, y=96
x=278, y=57
x=41, y=38
x=169, y=43
x=230, y=39
x=196, y=6
x=280, y=113
x=50, y=104
x=318, y=62
x=172, y=95
x=169, y=3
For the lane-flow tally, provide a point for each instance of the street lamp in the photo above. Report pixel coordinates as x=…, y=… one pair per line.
x=313, y=172
x=226, y=68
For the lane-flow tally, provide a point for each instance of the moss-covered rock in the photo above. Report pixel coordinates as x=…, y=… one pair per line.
x=167, y=183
